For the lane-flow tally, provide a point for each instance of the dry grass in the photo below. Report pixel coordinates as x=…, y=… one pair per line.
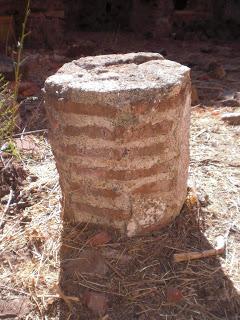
x=137, y=276
x=140, y=271
x=215, y=167
x=30, y=239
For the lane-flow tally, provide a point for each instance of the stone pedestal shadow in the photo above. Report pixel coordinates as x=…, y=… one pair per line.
x=119, y=130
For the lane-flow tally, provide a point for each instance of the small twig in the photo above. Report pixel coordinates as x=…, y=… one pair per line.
x=114, y=269
x=9, y=202
x=22, y=134
x=7, y=206
x=40, y=266
x=29, y=132
x=201, y=132
x=186, y=256
x=38, y=306
x=196, y=106
x=5, y=164
x=99, y=290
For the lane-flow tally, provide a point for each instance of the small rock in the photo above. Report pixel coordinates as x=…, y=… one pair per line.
x=216, y=70
x=100, y=239
x=174, y=295
x=194, y=96
x=16, y=308
x=203, y=199
x=232, y=118
x=26, y=144
x=96, y=302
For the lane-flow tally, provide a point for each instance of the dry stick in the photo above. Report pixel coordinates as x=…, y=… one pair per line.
x=7, y=207
x=114, y=269
x=8, y=203
x=186, y=256
x=29, y=132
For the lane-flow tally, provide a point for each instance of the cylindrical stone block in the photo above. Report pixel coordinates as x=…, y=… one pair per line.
x=119, y=130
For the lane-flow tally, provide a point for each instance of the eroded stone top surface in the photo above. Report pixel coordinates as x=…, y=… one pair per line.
x=116, y=73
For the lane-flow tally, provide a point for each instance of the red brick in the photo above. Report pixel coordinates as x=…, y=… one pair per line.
x=115, y=154
x=117, y=214
x=141, y=107
x=144, y=131
x=83, y=189
x=89, y=131
x=151, y=150
x=85, y=109
x=152, y=187
x=163, y=105
x=128, y=134
x=123, y=175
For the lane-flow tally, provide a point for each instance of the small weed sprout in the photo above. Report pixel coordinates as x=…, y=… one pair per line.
x=19, y=61
x=8, y=99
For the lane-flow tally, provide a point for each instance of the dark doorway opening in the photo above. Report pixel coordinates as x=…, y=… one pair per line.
x=180, y=4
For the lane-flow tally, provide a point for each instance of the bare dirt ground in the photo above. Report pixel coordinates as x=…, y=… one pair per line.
x=54, y=271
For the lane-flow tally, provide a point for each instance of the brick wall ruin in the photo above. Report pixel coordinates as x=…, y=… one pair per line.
x=52, y=20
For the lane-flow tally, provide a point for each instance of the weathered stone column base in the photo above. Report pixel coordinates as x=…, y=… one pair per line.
x=119, y=129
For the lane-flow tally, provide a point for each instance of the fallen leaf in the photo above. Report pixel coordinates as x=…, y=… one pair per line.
x=174, y=295
x=96, y=302
x=89, y=261
x=100, y=239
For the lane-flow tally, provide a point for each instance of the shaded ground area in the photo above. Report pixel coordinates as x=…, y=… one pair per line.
x=137, y=278
x=106, y=276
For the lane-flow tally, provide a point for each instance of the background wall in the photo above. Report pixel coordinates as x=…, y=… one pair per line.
x=52, y=20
